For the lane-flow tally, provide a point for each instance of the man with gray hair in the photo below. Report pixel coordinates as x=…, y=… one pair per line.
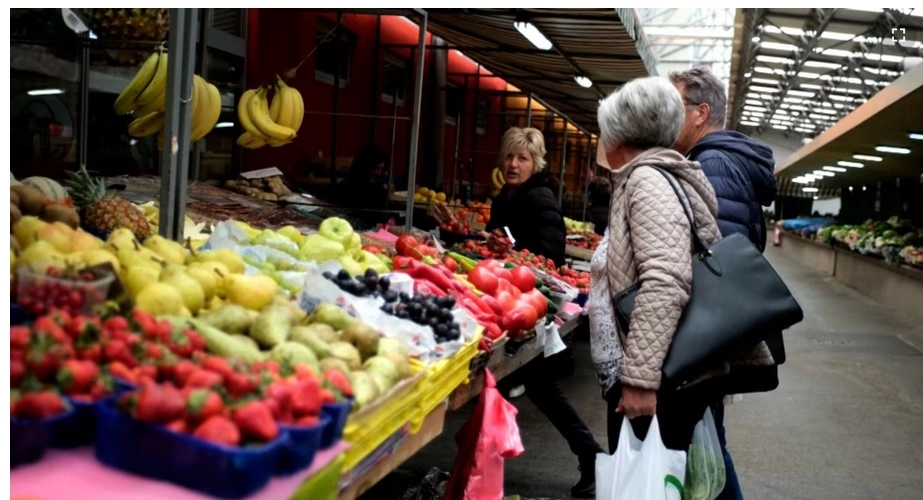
x=741, y=172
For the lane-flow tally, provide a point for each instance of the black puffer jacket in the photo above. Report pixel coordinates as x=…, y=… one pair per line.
x=533, y=216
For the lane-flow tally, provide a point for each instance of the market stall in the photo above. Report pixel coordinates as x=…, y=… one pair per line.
x=240, y=337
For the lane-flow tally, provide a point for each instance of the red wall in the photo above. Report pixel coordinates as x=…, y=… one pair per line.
x=280, y=38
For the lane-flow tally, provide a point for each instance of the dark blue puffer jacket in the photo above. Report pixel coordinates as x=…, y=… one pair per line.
x=740, y=171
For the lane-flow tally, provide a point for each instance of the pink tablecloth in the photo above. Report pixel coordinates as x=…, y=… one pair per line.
x=382, y=235
x=76, y=474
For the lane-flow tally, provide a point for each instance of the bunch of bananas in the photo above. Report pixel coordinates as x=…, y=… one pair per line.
x=145, y=97
x=496, y=177
x=276, y=123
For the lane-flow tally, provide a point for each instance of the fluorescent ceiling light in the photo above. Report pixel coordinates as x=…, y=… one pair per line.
x=849, y=164
x=810, y=189
x=801, y=180
x=915, y=136
x=583, y=81
x=890, y=149
x=834, y=169
x=755, y=39
x=801, y=93
x=822, y=64
x=778, y=46
x=767, y=81
x=867, y=157
x=46, y=92
x=780, y=127
x=774, y=59
x=824, y=173
x=758, y=88
x=750, y=124
x=224, y=125
x=532, y=34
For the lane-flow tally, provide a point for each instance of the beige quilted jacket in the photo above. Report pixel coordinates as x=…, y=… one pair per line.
x=650, y=242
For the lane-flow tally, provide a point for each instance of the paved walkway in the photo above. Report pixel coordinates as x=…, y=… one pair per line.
x=846, y=422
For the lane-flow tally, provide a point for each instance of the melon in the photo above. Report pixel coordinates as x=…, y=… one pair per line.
x=51, y=189
x=13, y=181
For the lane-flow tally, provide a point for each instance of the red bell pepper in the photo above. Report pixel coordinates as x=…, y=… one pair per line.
x=402, y=262
x=427, y=288
x=435, y=276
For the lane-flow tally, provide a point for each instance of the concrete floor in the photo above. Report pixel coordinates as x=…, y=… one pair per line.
x=845, y=423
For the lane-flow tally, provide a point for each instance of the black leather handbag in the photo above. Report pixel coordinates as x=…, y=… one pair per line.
x=737, y=301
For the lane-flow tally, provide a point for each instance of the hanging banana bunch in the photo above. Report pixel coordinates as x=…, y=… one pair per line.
x=496, y=178
x=273, y=123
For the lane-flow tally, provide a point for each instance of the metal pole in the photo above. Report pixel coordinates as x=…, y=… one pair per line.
x=205, y=20
x=415, y=123
x=393, y=140
x=586, y=189
x=563, y=165
x=529, y=110
x=177, y=122
x=83, y=129
x=336, y=109
x=458, y=129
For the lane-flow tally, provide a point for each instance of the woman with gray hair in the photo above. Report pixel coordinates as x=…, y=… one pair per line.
x=649, y=242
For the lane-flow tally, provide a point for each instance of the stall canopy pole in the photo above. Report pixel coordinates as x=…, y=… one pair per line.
x=563, y=165
x=586, y=178
x=415, y=122
x=174, y=170
x=529, y=110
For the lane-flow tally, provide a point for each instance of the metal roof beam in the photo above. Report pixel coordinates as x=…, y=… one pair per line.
x=813, y=27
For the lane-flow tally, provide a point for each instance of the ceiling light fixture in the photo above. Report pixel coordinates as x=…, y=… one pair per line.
x=532, y=34
x=867, y=157
x=835, y=169
x=810, y=189
x=891, y=149
x=583, y=81
x=45, y=92
x=916, y=136
x=852, y=164
x=224, y=125
x=824, y=173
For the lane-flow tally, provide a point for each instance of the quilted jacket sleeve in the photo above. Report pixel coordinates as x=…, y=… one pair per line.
x=661, y=239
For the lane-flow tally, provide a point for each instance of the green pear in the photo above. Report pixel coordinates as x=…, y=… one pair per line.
x=168, y=250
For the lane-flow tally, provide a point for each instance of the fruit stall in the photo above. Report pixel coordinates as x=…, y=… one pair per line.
x=182, y=339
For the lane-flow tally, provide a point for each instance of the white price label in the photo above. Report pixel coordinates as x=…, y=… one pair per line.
x=73, y=21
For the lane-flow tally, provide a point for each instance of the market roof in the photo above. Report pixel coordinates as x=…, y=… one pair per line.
x=801, y=70
x=881, y=139
x=598, y=44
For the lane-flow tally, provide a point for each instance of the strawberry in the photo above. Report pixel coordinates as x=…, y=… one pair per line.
x=180, y=345
x=178, y=425
x=255, y=421
x=152, y=350
x=306, y=397
x=281, y=394
x=84, y=330
x=38, y=405
x=43, y=359
x=307, y=421
x=239, y=384
x=338, y=380
x=327, y=397
x=118, y=350
x=116, y=323
x=163, y=330
x=197, y=340
x=154, y=403
x=76, y=376
x=217, y=365
x=19, y=337
x=91, y=353
x=17, y=372
x=203, y=403
x=182, y=371
x=143, y=322
x=46, y=326
x=203, y=379
x=59, y=317
x=101, y=389
x=118, y=370
x=218, y=429
x=303, y=372
x=270, y=365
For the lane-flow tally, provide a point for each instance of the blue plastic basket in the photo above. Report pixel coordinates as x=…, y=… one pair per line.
x=78, y=428
x=30, y=438
x=303, y=444
x=338, y=413
x=18, y=316
x=156, y=452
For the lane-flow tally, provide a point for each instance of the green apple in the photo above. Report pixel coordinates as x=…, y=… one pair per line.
x=355, y=242
x=352, y=267
x=336, y=229
x=320, y=249
x=292, y=233
x=368, y=260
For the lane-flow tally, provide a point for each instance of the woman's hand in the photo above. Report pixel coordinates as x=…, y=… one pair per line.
x=637, y=402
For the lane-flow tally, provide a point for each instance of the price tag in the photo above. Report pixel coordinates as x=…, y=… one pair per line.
x=435, y=235
x=74, y=21
x=509, y=235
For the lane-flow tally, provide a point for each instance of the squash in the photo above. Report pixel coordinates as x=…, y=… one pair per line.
x=51, y=189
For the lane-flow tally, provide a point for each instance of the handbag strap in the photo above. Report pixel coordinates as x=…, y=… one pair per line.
x=680, y=192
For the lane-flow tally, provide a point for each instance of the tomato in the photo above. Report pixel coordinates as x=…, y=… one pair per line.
x=523, y=278
x=405, y=243
x=483, y=280
x=506, y=286
x=507, y=302
x=529, y=314
x=514, y=322
x=536, y=300
x=503, y=273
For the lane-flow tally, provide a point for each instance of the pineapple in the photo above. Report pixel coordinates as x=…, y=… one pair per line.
x=102, y=211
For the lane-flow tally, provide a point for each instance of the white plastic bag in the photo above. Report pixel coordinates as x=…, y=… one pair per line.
x=640, y=470
x=705, y=474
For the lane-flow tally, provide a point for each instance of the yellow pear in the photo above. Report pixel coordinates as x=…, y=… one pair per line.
x=253, y=292
x=160, y=299
x=122, y=239
x=100, y=256
x=219, y=270
x=83, y=241
x=58, y=234
x=226, y=256
x=171, y=270
x=207, y=279
x=168, y=250
x=26, y=229
x=40, y=256
x=192, y=295
x=137, y=278
x=292, y=233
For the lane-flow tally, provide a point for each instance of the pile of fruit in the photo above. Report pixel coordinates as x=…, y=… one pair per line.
x=195, y=234
x=427, y=195
x=145, y=98
x=266, y=188
x=102, y=212
x=577, y=279
x=516, y=296
x=43, y=198
x=577, y=227
x=894, y=239
x=498, y=246
x=273, y=123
